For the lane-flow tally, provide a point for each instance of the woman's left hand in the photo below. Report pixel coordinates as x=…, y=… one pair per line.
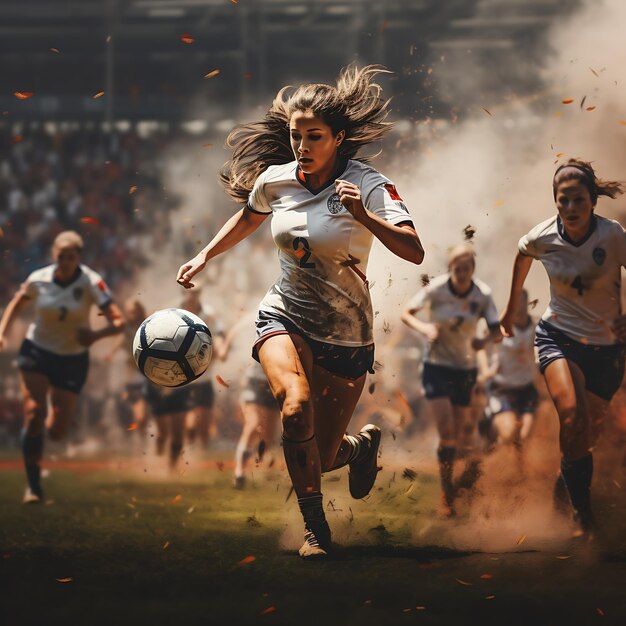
x=350, y=197
x=86, y=336
x=619, y=328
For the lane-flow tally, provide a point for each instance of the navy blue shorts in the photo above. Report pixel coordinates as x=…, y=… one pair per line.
x=258, y=391
x=520, y=400
x=441, y=381
x=602, y=366
x=345, y=361
x=64, y=371
x=203, y=395
x=166, y=400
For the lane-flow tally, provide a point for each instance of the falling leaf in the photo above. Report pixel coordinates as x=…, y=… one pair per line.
x=17, y=138
x=594, y=72
x=166, y=545
x=247, y=559
x=489, y=597
x=247, y=75
x=65, y=580
x=191, y=509
x=108, y=39
x=486, y=576
x=559, y=154
x=420, y=607
x=600, y=612
x=89, y=220
x=98, y=95
x=590, y=108
x=269, y=609
x=221, y=381
x=582, y=102
x=409, y=474
x=469, y=232
x=567, y=100
x=212, y=74
x=521, y=540
x=23, y=95
x=55, y=50
x=186, y=38
x=564, y=557
x=425, y=280
x=463, y=582
x=487, y=111
x=132, y=189
x=176, y=498
x=133, y=426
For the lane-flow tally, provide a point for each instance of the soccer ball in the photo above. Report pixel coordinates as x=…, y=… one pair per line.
x=172, y=347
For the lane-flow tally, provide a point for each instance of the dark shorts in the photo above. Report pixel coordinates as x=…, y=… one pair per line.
x=520, y=400
x=203, y=395
x=345, y=361
x=257, y=391
x=135, y=392
x=602, y=366
x=449, y=382
x=64, y=371
x=164, y=401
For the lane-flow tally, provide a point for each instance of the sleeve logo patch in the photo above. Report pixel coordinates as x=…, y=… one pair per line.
x=393, y=193
x=102, y=286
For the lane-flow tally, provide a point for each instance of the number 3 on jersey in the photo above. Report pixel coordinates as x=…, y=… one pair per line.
x=303, y=252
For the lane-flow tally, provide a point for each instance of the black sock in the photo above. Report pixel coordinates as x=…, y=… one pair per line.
x=312, y=510
x=577, y=476
x=446, y=456
x=175, y=450
x=32, y=450
x=561, y=496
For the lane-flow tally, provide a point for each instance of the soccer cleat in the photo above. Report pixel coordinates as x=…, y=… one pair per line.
x=362, y=475
x=30, y=497
x=239, y=482
x=446, y=507
x=316, y=544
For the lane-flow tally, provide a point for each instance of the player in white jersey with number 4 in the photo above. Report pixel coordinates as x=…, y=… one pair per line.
x=53, y=358
x=455, y=301
x=314, y=327
x=580, y=336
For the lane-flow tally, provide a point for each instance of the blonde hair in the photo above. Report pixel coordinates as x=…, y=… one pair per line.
x=68, y=239
x=353, y=105
x=459, y=251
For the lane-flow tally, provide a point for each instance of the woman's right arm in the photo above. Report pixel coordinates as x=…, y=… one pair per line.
x=237, y=228
x=17, y=303
x=521, y=267
x=429, y=330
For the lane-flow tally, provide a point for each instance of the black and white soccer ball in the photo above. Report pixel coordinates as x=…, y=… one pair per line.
x=172, y=347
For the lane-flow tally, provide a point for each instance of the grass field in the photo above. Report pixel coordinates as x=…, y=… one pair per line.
x=118, y=545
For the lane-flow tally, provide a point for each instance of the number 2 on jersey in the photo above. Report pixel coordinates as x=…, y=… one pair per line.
x=63, y=311
x=577, y=284
x=303, y=253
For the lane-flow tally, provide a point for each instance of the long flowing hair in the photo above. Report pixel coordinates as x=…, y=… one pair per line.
x=582, y=171
x=353, y=105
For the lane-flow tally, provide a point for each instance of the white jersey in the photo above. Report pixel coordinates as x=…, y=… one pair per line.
x=457, y=317
x=585, y=277
x=60, y=310
x=516, y=358
x=323, y=250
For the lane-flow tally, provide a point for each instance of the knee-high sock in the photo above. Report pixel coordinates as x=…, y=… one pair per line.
x=446, y=456
x=32, y=451
x=312, y=510
x=577, y=476
x=353, y=448
x=304, y=465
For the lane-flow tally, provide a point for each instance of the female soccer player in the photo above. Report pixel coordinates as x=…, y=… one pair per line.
x=53, y=358
x=456, y=302
x=579, y=338
x=511, y=389
x=314, y=327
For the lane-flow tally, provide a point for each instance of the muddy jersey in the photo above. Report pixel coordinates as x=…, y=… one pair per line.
x=457, y=317
x=516, y=358
x=60, y=310
x=585, y=276
x=323, y=250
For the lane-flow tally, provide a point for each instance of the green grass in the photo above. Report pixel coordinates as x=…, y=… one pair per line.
x=139, y=554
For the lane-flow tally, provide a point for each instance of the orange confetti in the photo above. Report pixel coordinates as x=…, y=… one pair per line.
x=521, y=540
x=221, y=381
x=176, y=498
x=622, y=122
x=133, y=426
x=590, y=108
x=247, y=559
x=559, y=154
x=98, y=95
x=600, y=612
x=564, y=557
x=132, y=189
x=17, y=138
x=269, y=609
x=486, y=576
x=89, y=220
x=65, y=580
x=55, y=50
x=212, y=74
x=489, y=597
x=207, y=145
x=463, y=582
x=23, y=95
x=166, y=545
x=567, y=100
x=247, y=75
x=186, y=38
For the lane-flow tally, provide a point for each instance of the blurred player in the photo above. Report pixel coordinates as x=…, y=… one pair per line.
x=579, y=338
x=456, y=302
x=511, y=388
x=54, y=358
x=314, y=328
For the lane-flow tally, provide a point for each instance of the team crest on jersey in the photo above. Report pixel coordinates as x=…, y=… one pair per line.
x=474, y=306
x=77, y=293
x=599, y=255
x=334, y=204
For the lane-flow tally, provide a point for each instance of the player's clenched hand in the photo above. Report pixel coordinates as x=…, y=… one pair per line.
x=619, y=328
x=506, y=324
x=188, y=270
x=350, y=197
x=431, y=331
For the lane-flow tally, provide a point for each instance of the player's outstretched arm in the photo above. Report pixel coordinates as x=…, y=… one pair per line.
x=521, y=267
x=113, y=315
x=17, y=303
x=237, y=228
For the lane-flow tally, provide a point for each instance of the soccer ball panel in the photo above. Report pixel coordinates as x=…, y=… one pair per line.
x=164, y=372
x=199, y=353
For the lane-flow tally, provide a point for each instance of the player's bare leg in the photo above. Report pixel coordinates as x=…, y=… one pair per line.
x=287, y=362
x=163, y=432
x=447, y=427
x=177, y=426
